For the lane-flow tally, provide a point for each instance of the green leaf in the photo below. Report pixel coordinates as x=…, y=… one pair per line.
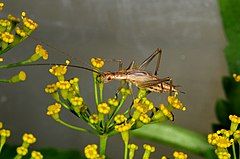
x=231, y=21
x=176, y=137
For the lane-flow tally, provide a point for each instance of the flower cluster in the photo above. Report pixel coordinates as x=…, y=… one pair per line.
x=91, y=152
x=223, y=138
x=22, y=150
x=111, y=116
x=14, y=30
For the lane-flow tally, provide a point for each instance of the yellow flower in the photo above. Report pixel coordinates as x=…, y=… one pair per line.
x=29, y=23
x=63, y=85
x=29, y=138
x=13, y=18
x=1, y=59
x=224, y=132
x=22, y=76
x=144, y=118
x=1, y=125
x=51, y=88
x=120, y=118
x=5, y=133
x=103, y=108
x=74, y=80
x=77, y=101
x=223, y=142
x=5, y=23
x=94, y=119
x=132, y=146
x=212, y=138
x=20, y=32
x=90, y=151
x=22, y=151
x=179, y=155
x=23, y=14
x=236, y=77
x=97, y=62
x=222, y=154
x=54, y=109
x=58, y=70
x=123, y=127
x=176, y=103
x=166, y=112
x=36, y=155
x=234, y=119
x=163, y=157
x=143, y=105
x=132, y=149
x=7, y=37
x=39, y=50
x=113, y=102
x=149, y=148
x=236, y=135
x=125, y=91
x=1, y=6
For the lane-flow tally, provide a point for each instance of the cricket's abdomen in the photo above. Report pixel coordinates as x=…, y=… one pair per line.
x=161, y=88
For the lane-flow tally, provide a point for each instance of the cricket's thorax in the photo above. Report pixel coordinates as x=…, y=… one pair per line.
x=132, y=75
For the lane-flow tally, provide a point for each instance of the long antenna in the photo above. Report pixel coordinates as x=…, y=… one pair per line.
x=53, y=64
x=59, y=50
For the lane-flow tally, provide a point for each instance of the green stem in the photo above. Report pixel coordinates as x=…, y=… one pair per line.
x=238, y=150
x=103, y=143
x=18, y=156
x=101, y=86
x=71, y=126
x=117, y=109
x=4, y=80
x=2, y=142
x=234, y=151
x=125, y=150
x=1, y=146
x=95, y=87
x=22, y=63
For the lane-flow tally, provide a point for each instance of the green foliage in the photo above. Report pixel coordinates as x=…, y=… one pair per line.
x=49, y=153
x=177, y=137
x=231, y=21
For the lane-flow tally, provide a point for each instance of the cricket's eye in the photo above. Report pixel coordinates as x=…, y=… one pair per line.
x=109, y=78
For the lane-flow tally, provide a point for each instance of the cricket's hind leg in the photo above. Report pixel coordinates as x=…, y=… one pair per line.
x=150, y=58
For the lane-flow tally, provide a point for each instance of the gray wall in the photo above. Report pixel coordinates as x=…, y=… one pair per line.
x=189, y=31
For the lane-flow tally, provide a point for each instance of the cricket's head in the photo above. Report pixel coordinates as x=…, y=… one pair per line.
x=106, y=77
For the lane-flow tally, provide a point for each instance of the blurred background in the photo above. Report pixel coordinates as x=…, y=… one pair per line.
x=189, y=32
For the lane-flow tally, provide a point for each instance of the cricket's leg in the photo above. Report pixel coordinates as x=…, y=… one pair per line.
x=122, y=84
x=154, y=82
x=120, y=63
x=130, y=66
x=150, y=58
x=171, y=87
x=158, y=62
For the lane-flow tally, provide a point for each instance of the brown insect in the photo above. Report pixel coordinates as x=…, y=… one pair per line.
x=132, y=75
x=141, y=78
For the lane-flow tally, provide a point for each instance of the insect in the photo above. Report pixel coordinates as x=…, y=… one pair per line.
x=141, y=78
x=132, y=75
